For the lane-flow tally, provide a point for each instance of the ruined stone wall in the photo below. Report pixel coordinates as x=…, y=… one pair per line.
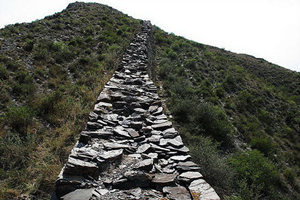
x=129, y=149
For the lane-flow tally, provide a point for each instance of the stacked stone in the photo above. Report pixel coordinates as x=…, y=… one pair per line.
x=129, y=149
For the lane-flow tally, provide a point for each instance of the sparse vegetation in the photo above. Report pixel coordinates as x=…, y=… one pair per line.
x=48, y=87
x=239, y=122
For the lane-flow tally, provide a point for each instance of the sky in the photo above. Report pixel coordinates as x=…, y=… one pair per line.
x=268, y=29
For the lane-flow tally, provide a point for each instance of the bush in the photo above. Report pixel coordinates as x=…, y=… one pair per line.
x=4, y=74
x=13, y=66
x=290, y=175
x=19, y=118
x=264, y=144
x=28, y=46
x=16, y=150
x=214, y=166
x=257, y=175
x=24, y=84
x=190, y=63
x=203, y=119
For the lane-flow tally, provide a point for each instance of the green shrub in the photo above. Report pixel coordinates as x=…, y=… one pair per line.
x=28, y=46
x=24, y=84
x=265, y=117
x=61, y=52
x=4, y=74
x=290, y=175
x=264, y=144
x=214, y=166
x=13, y=66
x=160, y=37
x=40, y=54
x=16, y=150
x=19, y=118
x=220, y=92
x=203, y=119
x=190, y=63
x=257, y=175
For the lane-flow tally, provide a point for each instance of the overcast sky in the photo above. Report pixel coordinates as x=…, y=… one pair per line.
x=268, y=29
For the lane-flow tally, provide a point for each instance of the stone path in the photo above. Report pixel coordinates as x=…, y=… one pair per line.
x=129, y=149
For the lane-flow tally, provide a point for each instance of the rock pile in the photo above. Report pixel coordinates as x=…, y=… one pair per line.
x=129, y=149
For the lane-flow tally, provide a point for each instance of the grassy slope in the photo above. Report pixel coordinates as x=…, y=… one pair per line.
x=51, y=71
x=247, y=105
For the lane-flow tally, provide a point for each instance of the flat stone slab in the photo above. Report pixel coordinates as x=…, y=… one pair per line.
x=108, y=155
x=98, y=133
x=162, y=126
x=143, y=148
x=102, y=104
x=165, y=179
x=110, y=145
x=202, y=190
x=189, y=176
x=180, y=158
x=146, y=165
x=177, y=142
x=79, y=194
x=177, y=193
x=73, y=162
x=119, y=130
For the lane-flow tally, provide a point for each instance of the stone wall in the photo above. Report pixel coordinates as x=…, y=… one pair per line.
x=129, y=149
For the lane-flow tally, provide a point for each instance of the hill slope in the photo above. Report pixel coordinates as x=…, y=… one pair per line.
x=239, y=115
x=51, y=72
x=250, y=106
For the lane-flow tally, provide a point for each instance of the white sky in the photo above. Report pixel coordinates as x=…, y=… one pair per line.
x=268, y=29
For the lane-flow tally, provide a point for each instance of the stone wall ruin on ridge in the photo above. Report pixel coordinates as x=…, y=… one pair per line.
x=129, y=149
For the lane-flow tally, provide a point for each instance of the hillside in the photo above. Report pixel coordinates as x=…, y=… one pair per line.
x=239, y=115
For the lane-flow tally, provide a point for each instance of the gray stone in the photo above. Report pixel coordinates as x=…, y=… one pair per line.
x=79, y=194
x=79, y=167
x=153, y=156
x=158, y=111
x=189, y=176
x=119, y=130
x=183, y=149
x=169, y=133
x=187, y=166
x=98, y=134
x=164, y=179
x=143, y=148
x=154, y=138
x=144, y=165
x=94, y=126
x=152, y=108
x=133, y=133
x=177, y=142
x=136, y=125
x=156, y=147
x=110, y=145
x=93, y=116
x=180, y=158
x=104, y=97
x=108, y=155
x=200, y=189
x=177, y=193
x=100, y=105
x=102, y=191
x=139, y=110
x=162, y=126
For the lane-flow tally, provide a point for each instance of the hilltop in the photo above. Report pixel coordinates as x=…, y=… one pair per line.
x=239, y=115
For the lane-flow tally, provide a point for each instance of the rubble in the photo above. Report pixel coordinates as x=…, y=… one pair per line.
x=129, y=149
